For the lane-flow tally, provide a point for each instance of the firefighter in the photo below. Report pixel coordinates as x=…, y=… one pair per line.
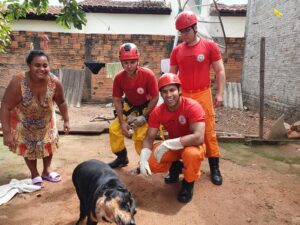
x=183, y=118
x=135, y=94
x=192, y=60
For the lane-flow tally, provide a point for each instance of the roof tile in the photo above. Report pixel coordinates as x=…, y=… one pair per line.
x=230, y=10
x=136, y=7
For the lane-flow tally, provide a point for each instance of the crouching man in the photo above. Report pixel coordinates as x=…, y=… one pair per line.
x=183, y=118
x=139, y=86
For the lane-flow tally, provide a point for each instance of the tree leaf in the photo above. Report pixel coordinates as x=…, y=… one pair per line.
x=11, y=10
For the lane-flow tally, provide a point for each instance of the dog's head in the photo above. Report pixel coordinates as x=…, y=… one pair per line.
x=116, y=205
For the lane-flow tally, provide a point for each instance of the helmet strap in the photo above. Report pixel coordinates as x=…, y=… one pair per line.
x=179, y=90
x=195, y=30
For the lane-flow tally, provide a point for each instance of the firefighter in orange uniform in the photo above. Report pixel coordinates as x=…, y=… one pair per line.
x=139, y=86
x=192, y=60
x=183, y=152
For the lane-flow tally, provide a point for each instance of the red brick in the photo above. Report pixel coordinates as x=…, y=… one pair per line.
x=68, y=51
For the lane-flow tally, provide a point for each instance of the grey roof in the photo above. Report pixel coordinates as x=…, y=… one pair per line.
x=110, y=6
x=134, y=7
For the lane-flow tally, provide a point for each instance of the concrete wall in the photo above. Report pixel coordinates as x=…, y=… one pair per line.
x=233, y=26
x=108, y=23
x=282, y=56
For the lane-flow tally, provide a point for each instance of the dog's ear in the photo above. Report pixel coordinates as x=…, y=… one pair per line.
x=132, y=204
x=121, y=189
x=132, y=208
x=109, y=194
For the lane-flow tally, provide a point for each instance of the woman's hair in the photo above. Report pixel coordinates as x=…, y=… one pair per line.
x=35, y=53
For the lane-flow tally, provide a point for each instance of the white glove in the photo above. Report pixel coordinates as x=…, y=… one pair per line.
x=171, y=144
x=144, y=165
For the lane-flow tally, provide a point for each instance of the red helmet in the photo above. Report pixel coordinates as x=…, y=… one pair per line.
x=168, y=78
x=185, y=19
x=128, y=51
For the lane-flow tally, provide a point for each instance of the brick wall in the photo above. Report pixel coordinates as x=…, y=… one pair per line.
x=153, y=48
x=233, y=59
x=282, y=57
x=71, y=50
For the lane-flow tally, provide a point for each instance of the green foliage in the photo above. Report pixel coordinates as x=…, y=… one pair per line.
x=71, y=14
x=4, y=31
x=11, y=10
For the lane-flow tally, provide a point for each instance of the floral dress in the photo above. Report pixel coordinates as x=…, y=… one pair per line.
x=32, y=122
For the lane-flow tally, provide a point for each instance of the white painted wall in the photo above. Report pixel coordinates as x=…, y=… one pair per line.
x=41, y=26
x=107, y=23
x=130, y=23
x=233, y=26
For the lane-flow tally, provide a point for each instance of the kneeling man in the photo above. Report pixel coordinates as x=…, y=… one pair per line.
x=183, y=152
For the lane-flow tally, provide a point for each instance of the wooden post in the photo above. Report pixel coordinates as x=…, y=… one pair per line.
x=261, y=87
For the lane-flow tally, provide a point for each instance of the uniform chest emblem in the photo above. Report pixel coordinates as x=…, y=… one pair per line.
x=200, y=58
x=182, y=119
x=140, y=91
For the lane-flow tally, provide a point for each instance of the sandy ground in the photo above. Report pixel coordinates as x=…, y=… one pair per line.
x=256, y=190
x=233, y=121
x=261, y=183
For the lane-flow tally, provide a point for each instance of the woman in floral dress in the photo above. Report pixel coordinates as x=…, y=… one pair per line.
x=27, y=111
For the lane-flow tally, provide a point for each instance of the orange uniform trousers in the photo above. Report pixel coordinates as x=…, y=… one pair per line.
x=191, y=158
x=210, y=138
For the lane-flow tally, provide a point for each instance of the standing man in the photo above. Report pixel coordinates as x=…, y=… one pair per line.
x=183, y=118
x=139, y=86
x=192, y=60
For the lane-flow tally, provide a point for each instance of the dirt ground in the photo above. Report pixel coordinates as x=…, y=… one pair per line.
x=229, y=120
x=261, y=183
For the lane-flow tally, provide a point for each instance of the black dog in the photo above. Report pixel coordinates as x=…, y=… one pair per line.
x=103, y=197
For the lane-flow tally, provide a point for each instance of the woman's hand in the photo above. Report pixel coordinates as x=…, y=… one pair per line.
x=9, y=141
x=66, y=127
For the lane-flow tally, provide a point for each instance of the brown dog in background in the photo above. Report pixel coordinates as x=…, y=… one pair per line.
x=103, y=197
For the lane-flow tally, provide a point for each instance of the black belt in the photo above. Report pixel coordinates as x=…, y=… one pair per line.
x=136, y=108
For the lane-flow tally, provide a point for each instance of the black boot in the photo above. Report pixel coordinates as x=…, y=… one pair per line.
x=121, y=159
x=215, y=174
x=174, y=172
x=186, y=193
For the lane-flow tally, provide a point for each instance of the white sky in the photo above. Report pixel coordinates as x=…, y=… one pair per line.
x=228, y=2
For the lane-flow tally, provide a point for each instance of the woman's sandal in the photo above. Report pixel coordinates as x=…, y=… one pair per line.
x=52, y=177
x=37, y=181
